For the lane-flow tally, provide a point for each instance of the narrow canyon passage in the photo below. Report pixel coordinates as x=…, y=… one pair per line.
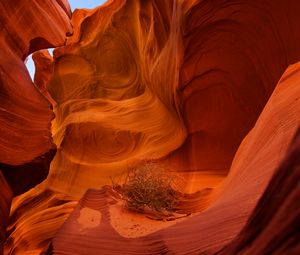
x=208, y=88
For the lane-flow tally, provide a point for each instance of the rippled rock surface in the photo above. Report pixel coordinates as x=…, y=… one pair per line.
x=26, y=144
x=5, y=203
x=210, y=88
x=272, y=223
x=115, y=88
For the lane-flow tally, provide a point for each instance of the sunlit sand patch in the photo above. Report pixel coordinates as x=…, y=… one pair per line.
x=89, y=218
x=129, y=224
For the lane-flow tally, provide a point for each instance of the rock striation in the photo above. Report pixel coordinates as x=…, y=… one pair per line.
x=26, y=144
x=209, y=87
x=115, y=88
x=5, y=202
x=272, y=222
x=273, y=227
x=234, y=54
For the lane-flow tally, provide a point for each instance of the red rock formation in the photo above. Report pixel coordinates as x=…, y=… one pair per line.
x=227, y=74
x=114, y=84
x=255, y=162
x=273, y=227
x=5, y=201
x=26, y=146
x=126, y=84
x=39, y=216
x=44, y=66
x=235, y=53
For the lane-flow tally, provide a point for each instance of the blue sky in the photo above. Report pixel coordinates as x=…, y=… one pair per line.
x=74, y=4
x=85, y=3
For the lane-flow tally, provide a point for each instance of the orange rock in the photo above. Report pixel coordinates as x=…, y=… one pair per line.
x=40, y=215
x=125, y=86
x=5, y=201
x=235, y=53
x=44, y=66
x=26, y=146
x=274, y=224
x=114, y=84
x=256, y=161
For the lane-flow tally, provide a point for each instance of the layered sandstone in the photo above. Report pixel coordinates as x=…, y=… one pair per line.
x=234, y=54
x=273, y=227
x=26, y=144
x=115, y=88
x=227, y=73
x=5, y=202
x=256, y=161
x=178, y=81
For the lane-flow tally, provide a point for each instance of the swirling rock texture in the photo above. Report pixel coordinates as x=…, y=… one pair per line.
x=235, y=53
x=26, y=142
x=5, y=201
x=273, y=226
x=114, y=85
x=26, y=146
x=178, y=81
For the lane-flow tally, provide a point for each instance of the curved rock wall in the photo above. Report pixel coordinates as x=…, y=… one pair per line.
x=138, y=80
x=5, y=202
x=272, y=227
x=26, y=146
x=230, y=56
x=114, y=84
x=235, y=53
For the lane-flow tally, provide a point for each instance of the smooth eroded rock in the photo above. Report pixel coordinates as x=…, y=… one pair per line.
x=234, y=54
x=26, y=146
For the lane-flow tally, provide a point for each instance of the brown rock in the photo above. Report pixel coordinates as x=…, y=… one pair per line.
x=118, y=98
x=256, y=161
x=5, y=201
x=26, y=144
x=44, y=66
x=273, y=227
x=114, y=84
x=235, y=53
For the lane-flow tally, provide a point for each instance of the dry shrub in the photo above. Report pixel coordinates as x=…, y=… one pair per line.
x=150, y=186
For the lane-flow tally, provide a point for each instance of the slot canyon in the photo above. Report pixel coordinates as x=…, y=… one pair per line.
x=205, y=90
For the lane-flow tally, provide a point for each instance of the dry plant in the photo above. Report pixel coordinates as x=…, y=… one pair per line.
x=150, y=187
